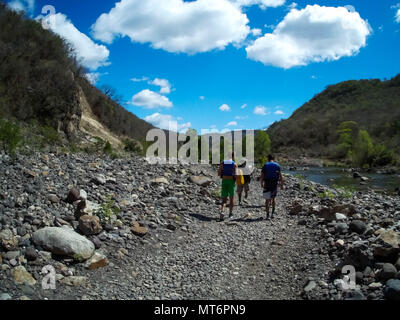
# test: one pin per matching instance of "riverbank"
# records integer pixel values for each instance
(162, 239)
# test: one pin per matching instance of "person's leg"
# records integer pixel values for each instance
(273, 207)
(246, 190)
(267, 206)
(231, 203)
(224, 201)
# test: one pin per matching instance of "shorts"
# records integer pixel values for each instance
(270, 189)
(244, 187)
(228, 188)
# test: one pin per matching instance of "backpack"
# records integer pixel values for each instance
(240, 178)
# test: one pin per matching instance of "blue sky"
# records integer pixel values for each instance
(217, 64)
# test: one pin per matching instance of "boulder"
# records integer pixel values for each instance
(21, 276)
(89, 225)
(64, 241)
(358, 226)
(392, 289)
(200, 180)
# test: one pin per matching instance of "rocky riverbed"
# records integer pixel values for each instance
(125, 229)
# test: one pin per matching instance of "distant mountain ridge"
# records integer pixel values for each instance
(312, 129)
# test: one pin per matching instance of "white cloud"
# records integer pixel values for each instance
(23, 5)
(313, 34)
(175, 25)
(140, 79)
(397, 17)
(150, 100)
(225, 108)
(243, 106)
(256, 32)
(260, 110)
(202, 97)
(163, 83)
(241, 118)
(94, 77)
(263, 4)
(166, 121)
(279, 112)
(232, 124)
(89, 53)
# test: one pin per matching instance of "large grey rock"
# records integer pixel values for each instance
(392, 289)
(64, 241)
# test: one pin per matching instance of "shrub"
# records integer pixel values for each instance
(108, 148)
(107, 210)
(10, 136)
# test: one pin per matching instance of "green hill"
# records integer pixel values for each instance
(312, 129)
(41, 81)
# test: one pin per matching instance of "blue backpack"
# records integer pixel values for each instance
(228, 168)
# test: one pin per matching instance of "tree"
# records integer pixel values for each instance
(262, 146)
(347, 133)
(363, 149)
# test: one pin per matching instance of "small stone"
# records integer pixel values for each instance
(339, 243)
(5, 296)
(99, 179)
(388, 272)
(310, 286)
(98, 260)
(358, 226)
(139, 230)
(31, 254)
(73, 195)
(161, 180)
(21, 276)
(74, 281)
(11, 255)
(340, 217)
(53, 198)
(375, 285)
(89, 225)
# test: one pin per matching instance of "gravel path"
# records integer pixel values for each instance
(245, 257)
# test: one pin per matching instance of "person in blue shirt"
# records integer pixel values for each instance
(271, 176)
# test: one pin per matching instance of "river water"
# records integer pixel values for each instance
(336, 176)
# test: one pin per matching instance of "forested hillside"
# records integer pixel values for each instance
(314, 129)
(40, 80)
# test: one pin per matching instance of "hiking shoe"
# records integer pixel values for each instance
(231, 215)
(221, 218)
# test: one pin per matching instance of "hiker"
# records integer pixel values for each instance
(227, 171)
(270, 177)
(245, 185)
